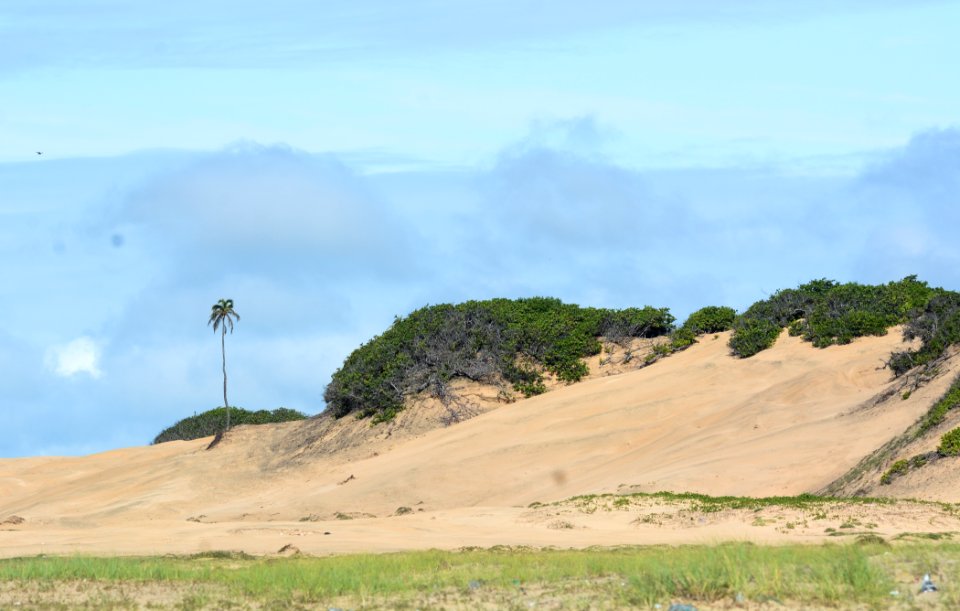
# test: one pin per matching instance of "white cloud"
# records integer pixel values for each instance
(81, 355)
(263, 209)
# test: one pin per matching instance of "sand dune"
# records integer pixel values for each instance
(789, 420)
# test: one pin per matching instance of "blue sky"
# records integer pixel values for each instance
(332, 165)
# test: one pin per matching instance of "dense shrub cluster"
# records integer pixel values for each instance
(210, 422)
(950, 444)
(711, 319)
(516, 340)
(484, 341)
(825, 312)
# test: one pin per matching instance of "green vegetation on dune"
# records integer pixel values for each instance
(825, 313)
(938, 412)
(900, 467)
(950, 443)
(704, 503)
(484, 341)
(517, 341)
(211, 422)
(861, 575)
(711, 319)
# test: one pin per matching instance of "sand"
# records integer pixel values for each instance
(787, 421)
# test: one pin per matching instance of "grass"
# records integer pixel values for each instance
(703, 503)
(862, 574)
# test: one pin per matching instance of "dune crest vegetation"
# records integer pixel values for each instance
(211, 421)
(514, 343)
(825, 312)
(495, 341)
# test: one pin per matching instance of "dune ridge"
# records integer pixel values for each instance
(787, 421)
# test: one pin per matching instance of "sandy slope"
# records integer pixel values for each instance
(786, 421)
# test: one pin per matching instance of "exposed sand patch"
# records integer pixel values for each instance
(939, 479)
(571, 524)
(349, 439)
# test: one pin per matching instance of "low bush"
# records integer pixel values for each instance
(904, 466)
(682, 338)
(711, 319)
(896, 469)
(950, 443)
(751, 335)
(210, 422)
(484, 341)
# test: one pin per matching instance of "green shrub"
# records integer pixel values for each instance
(682, 338)
(711, 319)
(484, 341)
(898, 468)
(530, 389)
(751, 335)
(796, 328)
(211, 421)
(950, 443)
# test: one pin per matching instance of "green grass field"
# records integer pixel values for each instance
(796, 576)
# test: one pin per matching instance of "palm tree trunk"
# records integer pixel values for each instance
(223, 352)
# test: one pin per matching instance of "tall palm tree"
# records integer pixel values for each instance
(222, 315)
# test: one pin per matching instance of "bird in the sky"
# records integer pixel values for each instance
(39, 152)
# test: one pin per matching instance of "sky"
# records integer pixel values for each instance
(330, 166)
